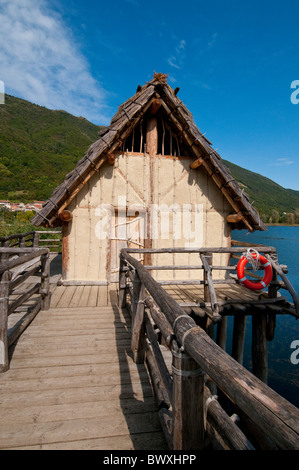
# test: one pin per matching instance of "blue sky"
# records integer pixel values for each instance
(233, 61)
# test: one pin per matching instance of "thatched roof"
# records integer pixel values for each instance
(111, 137)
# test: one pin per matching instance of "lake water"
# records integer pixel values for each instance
(283, 374)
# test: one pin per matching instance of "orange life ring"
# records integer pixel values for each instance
(254, 285)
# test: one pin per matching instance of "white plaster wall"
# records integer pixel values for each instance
(174, 184)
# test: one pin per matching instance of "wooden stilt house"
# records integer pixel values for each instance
(151, 180)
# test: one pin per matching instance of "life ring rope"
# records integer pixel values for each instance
(256, 259)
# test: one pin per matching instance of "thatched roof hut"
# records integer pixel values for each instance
(133, 156)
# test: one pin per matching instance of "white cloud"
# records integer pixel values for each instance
(209, 44)
(282, 162)
(177, 59)
(40, 61)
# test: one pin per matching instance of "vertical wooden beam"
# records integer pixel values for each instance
(272, 293)
(35, 241)
(122, 283)
(208, 257)
(66, 230)
(4, 293)
(239, 337)
(259, 346)
(151, 148)
(138, 330)
(222, 332)
(187, 402)
(45, 282)
(152, 136)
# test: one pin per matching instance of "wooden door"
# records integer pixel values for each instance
(125, 232)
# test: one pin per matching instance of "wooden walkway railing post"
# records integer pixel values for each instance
(187, 401)
(4, 295)
(122, 283)
(45, 281)
(138, 338)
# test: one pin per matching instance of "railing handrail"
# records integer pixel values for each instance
(35, 239)
(32, 261)
(27, 254)
(233, 249)
(272, 413)
(16, 235)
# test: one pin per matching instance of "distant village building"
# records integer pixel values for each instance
(151, 180)
(5, 204)
(21, 206)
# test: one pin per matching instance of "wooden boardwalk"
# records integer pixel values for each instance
(72, 382)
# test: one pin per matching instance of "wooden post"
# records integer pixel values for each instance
(259, 346)
(239, 337)
(151, 148)
(4, 293)
(187, 402)
(45, 282)
(222, 332)
(66, 230)
(35, 240)
(122, 283)
(272, 293)
(208, 257)
(138, 330)
(22, 242)
(5, 256)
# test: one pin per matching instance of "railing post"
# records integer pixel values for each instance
(122, 283)
(22, 242)
(5, 256)
(259, 346)
(35, 240)
(138, 330)
(187, 402)
(45, 281)
(272, 293)
(4, 293)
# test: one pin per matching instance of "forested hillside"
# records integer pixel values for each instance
(38, 147)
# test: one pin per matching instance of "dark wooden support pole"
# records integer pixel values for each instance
(259, 346)
(239, 337)
(272, 293)
(4, 292)
(222, 333)
(138, 331)
(187, 402)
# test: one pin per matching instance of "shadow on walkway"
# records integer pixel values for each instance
(137, 399)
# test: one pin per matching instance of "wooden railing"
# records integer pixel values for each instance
(51, 239)
(16, 267)
(191, 415)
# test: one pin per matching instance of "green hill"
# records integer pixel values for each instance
(39, 146)
(266, 195)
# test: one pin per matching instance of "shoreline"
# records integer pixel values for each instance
(282, 225)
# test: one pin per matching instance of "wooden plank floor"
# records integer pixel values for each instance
(72, 383)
